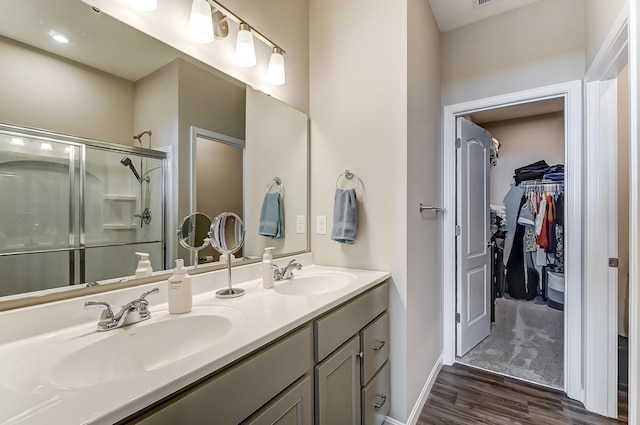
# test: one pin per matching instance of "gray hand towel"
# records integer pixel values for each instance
(272, 217)
(345, 216)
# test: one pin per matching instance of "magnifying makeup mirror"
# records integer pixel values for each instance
(227, 236)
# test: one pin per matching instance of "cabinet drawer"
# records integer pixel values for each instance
(375, 398)
(334, 329)
(375, 346)
(293, 407)
(233, 395)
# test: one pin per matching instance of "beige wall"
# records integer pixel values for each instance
(374, 108)
(533, 46)
(48, 92)
(623, 202)
(424, 184)
(599, 16)
(284, 21)
(523, 141)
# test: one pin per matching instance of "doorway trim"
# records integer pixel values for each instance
(601, 389)
(571, 92)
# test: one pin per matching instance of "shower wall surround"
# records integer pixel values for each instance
(71, 213)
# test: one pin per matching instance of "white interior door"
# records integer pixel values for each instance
(473, 252)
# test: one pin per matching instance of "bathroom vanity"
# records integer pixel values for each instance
(314, 349)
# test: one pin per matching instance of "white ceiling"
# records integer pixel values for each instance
(451, 14)
(530, 109)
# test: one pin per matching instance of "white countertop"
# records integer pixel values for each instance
(30, 393)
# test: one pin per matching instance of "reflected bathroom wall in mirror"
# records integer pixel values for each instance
(112, 83)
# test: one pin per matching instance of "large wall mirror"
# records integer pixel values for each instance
(111, 83)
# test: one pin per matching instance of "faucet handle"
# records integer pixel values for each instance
(151, 292)
(107, 314)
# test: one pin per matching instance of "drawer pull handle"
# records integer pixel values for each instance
(383, 400)
(378, 346)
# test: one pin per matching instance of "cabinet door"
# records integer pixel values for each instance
(338, 386)
(294, 407)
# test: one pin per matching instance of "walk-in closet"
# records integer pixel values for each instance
(527, 189)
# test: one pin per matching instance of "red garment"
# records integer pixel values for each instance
(551, 213)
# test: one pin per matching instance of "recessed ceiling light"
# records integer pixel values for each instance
(61, 37)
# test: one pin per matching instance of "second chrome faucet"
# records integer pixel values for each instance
(287, 271)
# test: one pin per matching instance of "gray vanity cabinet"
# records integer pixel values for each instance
(293, 407)
(232, 395)
(351, 350)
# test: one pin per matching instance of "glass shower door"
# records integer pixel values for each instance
(39, 182)
(123, 213)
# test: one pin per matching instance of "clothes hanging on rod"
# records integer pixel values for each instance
(539, 237)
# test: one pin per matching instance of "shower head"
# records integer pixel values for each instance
(138, 136)
(126, 161)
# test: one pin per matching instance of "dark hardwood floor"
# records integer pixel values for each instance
(462, 395)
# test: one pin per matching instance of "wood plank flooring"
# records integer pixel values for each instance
(462, 395)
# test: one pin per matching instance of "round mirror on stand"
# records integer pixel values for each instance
(194, 233)
(227, 236)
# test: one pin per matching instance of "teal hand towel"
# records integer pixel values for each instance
(345, 216)
(272, 217)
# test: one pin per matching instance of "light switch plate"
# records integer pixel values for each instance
(321, 224)
(301, 224)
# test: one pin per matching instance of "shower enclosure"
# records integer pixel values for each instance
(74, 211)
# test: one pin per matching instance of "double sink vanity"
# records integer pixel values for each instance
(313, 349)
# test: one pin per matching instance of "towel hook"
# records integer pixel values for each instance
(277, 181)
(349, 175)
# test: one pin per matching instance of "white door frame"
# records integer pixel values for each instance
(571, 92)
(600, 293)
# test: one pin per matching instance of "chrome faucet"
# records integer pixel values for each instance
(134, 312)
(287, 271)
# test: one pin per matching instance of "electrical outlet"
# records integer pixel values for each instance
(321, 224)
(301, 224)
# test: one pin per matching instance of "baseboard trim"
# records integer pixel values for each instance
(422, 399)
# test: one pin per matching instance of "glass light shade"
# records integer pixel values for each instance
(200, 22)
(245, 51)
(275, 71)
(146, 5)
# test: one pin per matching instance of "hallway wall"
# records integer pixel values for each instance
(533, 46)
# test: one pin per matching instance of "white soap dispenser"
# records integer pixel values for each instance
(180, 297)
(144, 265)
(267, 269)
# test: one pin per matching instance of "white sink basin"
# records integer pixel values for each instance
(314, 284)
(79, 360)
(140, 349)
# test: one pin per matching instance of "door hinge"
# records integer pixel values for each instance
(458, 230)
(458, 143)
(613, 262)
(457, 317)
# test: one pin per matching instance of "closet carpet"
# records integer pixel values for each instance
(467, 396)
(526, 341)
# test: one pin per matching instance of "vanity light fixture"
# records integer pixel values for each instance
(275, 71)
(146, 5)
(200, 22)
(16, 141)
(60, 37)
(245, 50)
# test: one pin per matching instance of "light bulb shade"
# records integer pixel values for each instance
(200, 22)
(146, 5)
(245, 51)
(275, 71)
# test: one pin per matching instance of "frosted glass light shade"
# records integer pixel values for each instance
(245, 51)
(200, 22)
(275, 71)
(146, 5)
